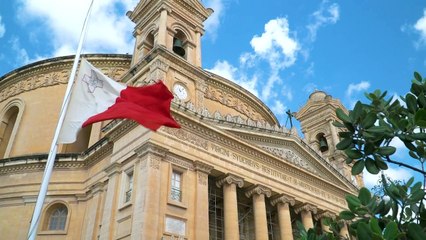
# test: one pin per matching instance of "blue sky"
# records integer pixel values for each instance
(280, 50)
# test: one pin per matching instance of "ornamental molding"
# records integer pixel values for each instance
(186, 136)
(40, 166)
(230, 179)
(325, 214)
(56, 71)
(180, 162)
(120, 128)
(291, 157)
(98, 154)
(112, 169)
(212, 136)
(202, 178)
(306, 207)
(151, 149)
(259, 190)
(228, 99)
(203, 167)
(283, 199)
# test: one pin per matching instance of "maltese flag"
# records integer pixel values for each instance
(96, 97)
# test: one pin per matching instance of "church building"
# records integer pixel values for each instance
(230, 172)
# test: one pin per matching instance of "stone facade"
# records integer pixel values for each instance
(229, 172)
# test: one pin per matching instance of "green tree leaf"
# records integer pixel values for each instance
(389, 150)
(345, 143)
(342, 116)
(346, 215)
(371, 166)
(391, 231)
(358, 167)
(363, 231)
(420, 118)
(364, 196)
(353, 153)
(415, 232)
(374, 226)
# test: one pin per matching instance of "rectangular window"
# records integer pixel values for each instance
(129, 187)
(176, 186)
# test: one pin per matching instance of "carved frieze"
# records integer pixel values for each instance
(290, 156)
(258, 189)
(187, 137)
(154, 162)
(231, 101)
(202, 178)
(230, 179)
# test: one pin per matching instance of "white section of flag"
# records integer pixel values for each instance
(93, 93)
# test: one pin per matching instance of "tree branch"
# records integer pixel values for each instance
(405, 165)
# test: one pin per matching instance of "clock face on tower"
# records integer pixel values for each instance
(180, 91)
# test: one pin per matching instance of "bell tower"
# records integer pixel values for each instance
(176, 25)
(316, 119)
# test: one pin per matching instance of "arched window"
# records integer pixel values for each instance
(322, 141)
(9, 122)
(180, 44)
(56, 217)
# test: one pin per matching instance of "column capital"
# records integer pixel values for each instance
(203, 167)
(306, 207)
(282, 199)
(230, 179)
(325, 214)
(258, 189)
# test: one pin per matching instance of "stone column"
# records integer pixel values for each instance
(202, 201)
(334, 135)
(93, 212)
(258, 193)
(162, 28)
(230, 207)
(344, 232)
(322, 216)
(198, 47)
(306, 211)
(283, 203)
(146, 208)
(110, 206)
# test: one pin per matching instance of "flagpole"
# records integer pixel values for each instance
(32, 232)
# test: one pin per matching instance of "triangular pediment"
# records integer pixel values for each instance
(294, 151)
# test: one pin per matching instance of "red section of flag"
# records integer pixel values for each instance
(147, 105)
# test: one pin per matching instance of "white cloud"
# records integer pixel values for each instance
(420, 26)
(21, 55)
(212, 24)
(364, 85)
(371, 180)
(276, 45)
(108, 31)
(278, 108)
(226, 70)
(2, 29)
(310, 88)
(278, 48)
(326, 14)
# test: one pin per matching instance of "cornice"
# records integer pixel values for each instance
(151, 148)
(203, 167)
(230, 179)
(197, 134)
(56, 71)
(259, 190)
